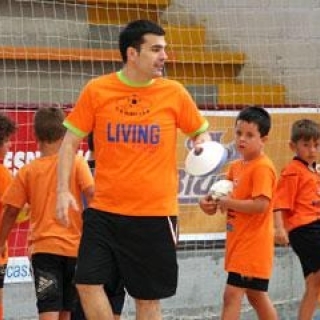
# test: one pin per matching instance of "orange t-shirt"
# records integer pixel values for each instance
(36, 184)
(297, 191)
(135, 137)
(249, 244)
(5, 180)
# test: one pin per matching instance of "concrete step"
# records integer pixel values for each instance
(122, 11)
(244, 94)
(188, 67)
(179, 38)
(205, 67)
(211, 97)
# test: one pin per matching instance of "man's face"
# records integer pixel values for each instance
(149, 60)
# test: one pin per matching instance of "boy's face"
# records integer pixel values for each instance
(306, 150)
(149, 60)
(248, 140)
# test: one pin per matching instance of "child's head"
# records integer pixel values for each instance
(251, 131)
(7, 128)
(305, 139)
(48, 125)
(258, 116)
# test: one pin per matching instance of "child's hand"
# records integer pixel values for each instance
(281, 236)
(208, 205)
(223, 204)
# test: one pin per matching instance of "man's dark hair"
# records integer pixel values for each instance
(7, 128)
(305, 129)
(48, 125)
(257, 115)
(133, 35)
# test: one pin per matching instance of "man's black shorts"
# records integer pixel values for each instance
(139, 250)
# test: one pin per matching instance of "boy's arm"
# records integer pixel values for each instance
(256, 205)
(10, 215)
(280, 233)
(66, 157)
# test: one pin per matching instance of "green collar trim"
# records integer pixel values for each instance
(130, 83)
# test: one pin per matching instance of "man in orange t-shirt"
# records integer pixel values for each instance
(297, 209)
(249, 244)
(130, 227)
(53, 248)
(7, 128)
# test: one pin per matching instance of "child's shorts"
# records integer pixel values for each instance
(305, 241)
(241, 281)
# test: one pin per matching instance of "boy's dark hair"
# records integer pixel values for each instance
(7, 128)
(48, 125)
(256, 115)
(305, 129)
(132, 35)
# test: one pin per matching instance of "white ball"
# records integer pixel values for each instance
(221, 188)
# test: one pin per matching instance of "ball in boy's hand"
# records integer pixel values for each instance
(221, 188)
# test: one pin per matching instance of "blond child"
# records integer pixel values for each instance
(297, 209)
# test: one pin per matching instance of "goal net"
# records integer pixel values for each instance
(228, 54)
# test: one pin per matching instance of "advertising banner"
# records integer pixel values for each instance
(193, 223)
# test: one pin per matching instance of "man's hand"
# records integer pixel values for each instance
(208, 205)
(199, 139)
(65, 200)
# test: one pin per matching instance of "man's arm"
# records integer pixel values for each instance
(66, 157)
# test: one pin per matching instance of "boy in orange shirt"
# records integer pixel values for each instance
(297, 209)
(7, 128)
(53, 248)
(249, 243)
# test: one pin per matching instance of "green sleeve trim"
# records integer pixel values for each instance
(202, 129)
(75, 130)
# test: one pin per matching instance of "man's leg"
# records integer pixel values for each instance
(94, 302)
(148, 309)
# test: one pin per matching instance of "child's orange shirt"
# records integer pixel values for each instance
(298, 194)
(249, 244)
(5, 180)
(36, 184)
(135, 138)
